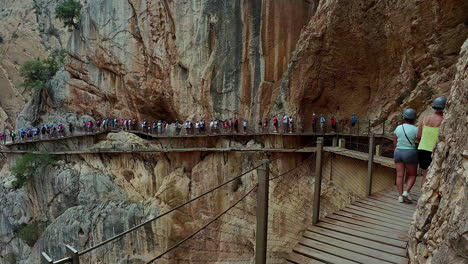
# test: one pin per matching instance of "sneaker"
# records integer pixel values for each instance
(400, 199)
(407, 197)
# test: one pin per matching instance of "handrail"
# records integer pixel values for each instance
(99, 132)
(166, 213)
(203, 227)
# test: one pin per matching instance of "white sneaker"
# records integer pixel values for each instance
(400, 199)
(407, 197)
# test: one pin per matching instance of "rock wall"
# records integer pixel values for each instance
(440, 232)
(28, 30)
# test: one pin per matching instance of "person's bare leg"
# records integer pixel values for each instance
(424, 174)
(412, 172)
(400, 170)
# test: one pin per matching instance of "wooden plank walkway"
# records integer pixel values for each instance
(371, 230)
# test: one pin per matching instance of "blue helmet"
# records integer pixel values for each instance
(409, 114)
(439, 103)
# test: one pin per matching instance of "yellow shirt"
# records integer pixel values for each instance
(429, 138)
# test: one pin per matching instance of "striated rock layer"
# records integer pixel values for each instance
(440, 232)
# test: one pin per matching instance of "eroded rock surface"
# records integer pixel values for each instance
(440, 232)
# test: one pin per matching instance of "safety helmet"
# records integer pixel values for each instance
(409, 114)
(439, 103)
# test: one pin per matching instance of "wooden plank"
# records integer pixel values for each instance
(364, 223)
(382, 219)
(344, 253)
(320, 255)
(363, 249)
(393, 202)
(362, 234)
(373, 214)
(301, 259)
(329, 234)
(382, 211)
(408, 214)
(368, 228)
(370, 220)
(398, 207)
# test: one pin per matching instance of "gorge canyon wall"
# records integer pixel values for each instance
(168, 59)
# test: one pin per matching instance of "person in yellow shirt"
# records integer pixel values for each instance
(428, 134)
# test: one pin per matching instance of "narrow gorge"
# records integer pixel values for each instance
(214, 59)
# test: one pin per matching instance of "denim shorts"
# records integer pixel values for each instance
(408, 156)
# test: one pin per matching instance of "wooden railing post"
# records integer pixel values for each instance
(45, 259)
(318, 181)
(370, 165)
(73, 253)
(262, 213)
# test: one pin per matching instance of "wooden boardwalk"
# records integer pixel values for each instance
(371, 230)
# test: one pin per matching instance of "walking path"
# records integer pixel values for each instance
(373, 230)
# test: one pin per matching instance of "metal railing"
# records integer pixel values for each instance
(361, 128)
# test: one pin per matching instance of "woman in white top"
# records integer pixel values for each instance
(406, 155)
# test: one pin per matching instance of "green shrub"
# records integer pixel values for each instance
(37, 73)
(30, 233)
(27, 165)
(69, 12)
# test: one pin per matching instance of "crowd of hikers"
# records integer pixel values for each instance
(414, 146)
(275, 124)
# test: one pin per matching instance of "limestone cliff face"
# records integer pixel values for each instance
(375, 57)
(28, 30)
(440, 233)
(181, 59)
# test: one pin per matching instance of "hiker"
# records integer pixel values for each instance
(215, 126)
(22, 134)
(260, 125)
(291, 125)
(266, 125)
(61, 130)
(405, 154)
(275, 123)
(1, 137)
(13, 136)
(43, 131)
(202, 126)
(244, 125)
(70, 128)
(333, 123)
(322, 121)
(235, 121)
(428, 134)
(314, 123)
(354, 120)
(285, 123)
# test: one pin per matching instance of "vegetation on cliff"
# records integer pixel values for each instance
(27, 166)
(37, 73)
(30, 233)
(69, 12)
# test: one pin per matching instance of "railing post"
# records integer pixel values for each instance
(262, 213)
(73, 253)
(45, 259)
(370, 165)
(369, 127)
(318, 181)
